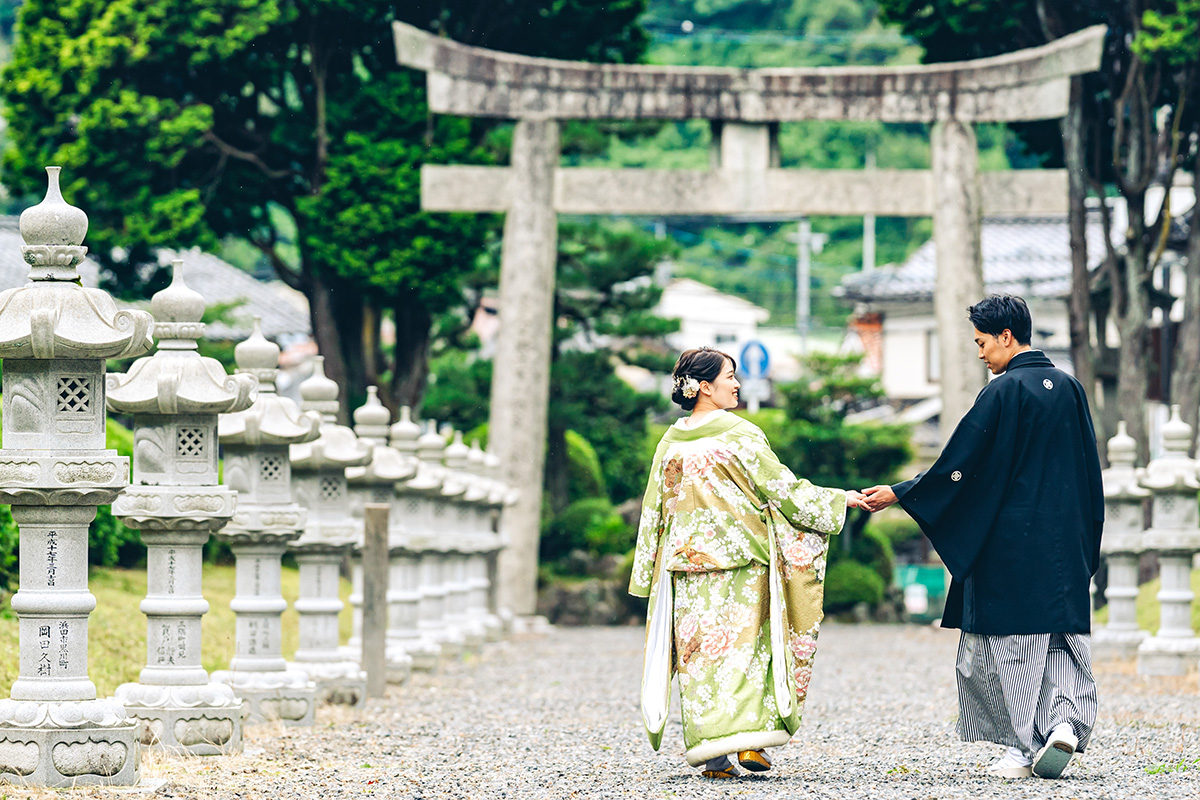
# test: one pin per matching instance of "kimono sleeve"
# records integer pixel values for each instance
(957, 499)
(649, 530)
(807, 507)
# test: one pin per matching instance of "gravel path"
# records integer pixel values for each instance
(557, 717)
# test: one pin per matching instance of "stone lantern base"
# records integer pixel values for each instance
(203, 720)
(1159, 655)
(1110, 645)
(338, 682)
(287, 696)
(62, 745)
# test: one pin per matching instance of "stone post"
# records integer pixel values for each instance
(376, 483)
(405, 530)
(1175, 534)
(256, 443)
(1124, 504)
(55, 337)
(521, 389)
(319, 484)
(176, 503)
(956, 223)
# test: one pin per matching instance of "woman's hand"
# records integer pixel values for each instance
(856, 500)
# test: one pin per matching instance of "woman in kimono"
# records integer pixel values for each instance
(731, 552)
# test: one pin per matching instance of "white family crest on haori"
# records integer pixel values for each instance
(1049, 384)
(956, 476)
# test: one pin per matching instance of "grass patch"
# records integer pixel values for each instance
(117, 628)
(1148, 611)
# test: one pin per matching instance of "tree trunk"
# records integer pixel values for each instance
(557, 480)
(410, 372)
(1080, 306)
(336, 311)
(1185, 381)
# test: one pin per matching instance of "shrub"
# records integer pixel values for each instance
(869, 548)
(9, 572)
(848, 583)
(591, 525)
(585, 476)
(896, 529)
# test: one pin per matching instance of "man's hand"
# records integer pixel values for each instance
(878, 498)
(855, 499)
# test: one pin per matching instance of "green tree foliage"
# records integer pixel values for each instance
(1136, 123)
(286, 124)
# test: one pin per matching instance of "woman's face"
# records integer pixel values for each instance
(723, 391)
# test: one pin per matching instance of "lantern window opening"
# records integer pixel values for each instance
(189, 443)
(74, 394)
(331, 489)
(271, 468)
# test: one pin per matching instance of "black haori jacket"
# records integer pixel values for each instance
(1014, 505)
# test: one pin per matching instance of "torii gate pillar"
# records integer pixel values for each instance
(521, 365)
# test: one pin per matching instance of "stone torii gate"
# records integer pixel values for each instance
(745, 107)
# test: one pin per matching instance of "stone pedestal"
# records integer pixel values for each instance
(485, 497)
(429, 539)
(257, 466)
(319, 482)
(376, 483)
(1124, 500)
(1175, 534)
(462, 491)
(55, 337)
(175, 503)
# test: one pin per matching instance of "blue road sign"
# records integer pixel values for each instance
(754, 359)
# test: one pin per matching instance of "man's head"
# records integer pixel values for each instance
(1002, 329)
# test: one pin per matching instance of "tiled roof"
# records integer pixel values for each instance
(1026, 256)
(284, 311)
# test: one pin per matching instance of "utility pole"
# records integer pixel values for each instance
(803, 280)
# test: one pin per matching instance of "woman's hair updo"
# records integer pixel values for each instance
(700, 364)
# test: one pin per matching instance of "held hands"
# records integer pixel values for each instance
(855, 499)
(877, 498)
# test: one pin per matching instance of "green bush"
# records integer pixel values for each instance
(896, 529)
(585, 476)
(8, 551)
(848, 583)
(870, 548)
(591, 525)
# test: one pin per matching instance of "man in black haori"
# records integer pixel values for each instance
(1014, 506)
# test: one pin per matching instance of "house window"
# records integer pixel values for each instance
(726, 338)
(189, 443)
(74, 394)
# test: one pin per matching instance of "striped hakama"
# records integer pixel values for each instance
(1013, 690)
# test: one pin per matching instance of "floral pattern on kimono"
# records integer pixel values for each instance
(716, 498)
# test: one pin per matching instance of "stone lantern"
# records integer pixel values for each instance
(319, 483)
(176, 503)
(483, 541)
(462, 489)
(1124, 504)
(55, 337)
(501, 497)
(256, 443)
(1175, 535)
(430, 539)
(406, 527)
(376, 483)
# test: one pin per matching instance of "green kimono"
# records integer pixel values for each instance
(717, 503)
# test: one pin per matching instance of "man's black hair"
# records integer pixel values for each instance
(999, 311)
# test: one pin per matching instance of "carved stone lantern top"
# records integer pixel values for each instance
(337, 447)
(405, 433)
(479, 488)
(177, 379)
(1121, 477)
(387, 464)
(272, 419)
(430, 473)
(456, 457)
(52, 316)
(1174, 471)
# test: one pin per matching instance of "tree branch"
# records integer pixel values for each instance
(245, 155)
